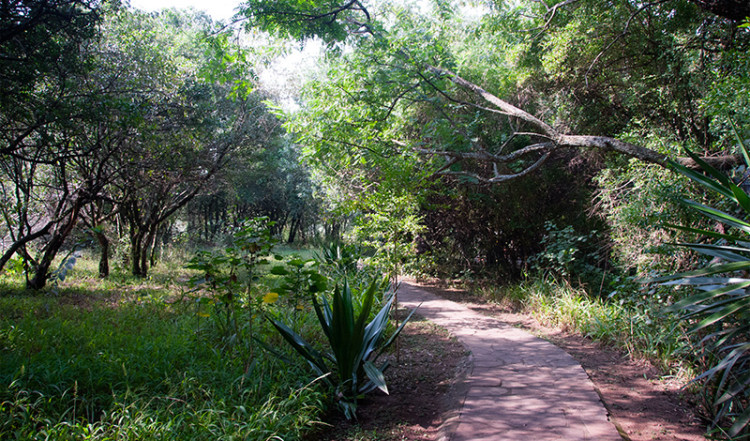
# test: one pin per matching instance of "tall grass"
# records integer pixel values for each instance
(134, 359)
(643, 329)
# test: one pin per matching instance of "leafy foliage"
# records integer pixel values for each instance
(354, 345)
(231, 275)
(564, 254)
(720, 309)
(340, 257)
(330, 20)
(300, 281)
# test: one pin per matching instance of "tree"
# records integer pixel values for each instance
(264, 179)
(114, 131)
(196, 110)
(476, 102)
(399, 70)
(45, 111)
(40, 50)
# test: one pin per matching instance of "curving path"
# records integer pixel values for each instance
(520, 387)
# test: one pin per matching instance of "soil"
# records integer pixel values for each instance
(423, 370)
(643, 403)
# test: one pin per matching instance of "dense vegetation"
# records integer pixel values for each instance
(542, 147)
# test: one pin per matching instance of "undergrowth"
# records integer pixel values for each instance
(642, 328)
(140, 359)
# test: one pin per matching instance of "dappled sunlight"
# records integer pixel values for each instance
(184, 201)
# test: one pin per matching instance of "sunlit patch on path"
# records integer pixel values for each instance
(520, 387)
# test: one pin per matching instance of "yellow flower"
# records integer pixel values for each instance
(204, 314)
(271, 297)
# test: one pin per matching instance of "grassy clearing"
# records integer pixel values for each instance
(641, 328)
(135, 359)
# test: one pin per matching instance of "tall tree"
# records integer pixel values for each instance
(43, 113)
(414, 96)
(192, 118)
(137, 141)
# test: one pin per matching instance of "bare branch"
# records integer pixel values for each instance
(499, 178)
(619, 36)
(504, 106)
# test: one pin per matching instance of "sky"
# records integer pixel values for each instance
(282, 77)
(217, 9)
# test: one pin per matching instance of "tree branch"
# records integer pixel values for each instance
(556, 139)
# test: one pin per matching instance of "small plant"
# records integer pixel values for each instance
(340, 258)
(66, 266)
(230, 275)
(300, 282)
(15, 266)
(300, 279)
(354, 345)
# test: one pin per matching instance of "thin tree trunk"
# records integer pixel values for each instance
(153, 245)
(41, 272)
(104, 256)
(136, 244)
(20, 243)
(293, 229)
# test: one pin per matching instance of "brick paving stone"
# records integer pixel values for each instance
(520, 387)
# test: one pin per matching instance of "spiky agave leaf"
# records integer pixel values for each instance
(722, 302)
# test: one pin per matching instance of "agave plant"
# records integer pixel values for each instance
(354, 345)
(341, 258)
(719, 310)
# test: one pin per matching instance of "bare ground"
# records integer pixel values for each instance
(424, 367)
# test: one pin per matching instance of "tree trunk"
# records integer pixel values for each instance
(152, 242)
(41, 272)
(21, 242)
(136, 247)
(141, 243)
(104, 256)
(295, 227)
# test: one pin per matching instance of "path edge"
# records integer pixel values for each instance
(454, 400)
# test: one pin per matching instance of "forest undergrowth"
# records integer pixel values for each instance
(141, 359)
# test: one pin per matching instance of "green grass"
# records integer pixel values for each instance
(121, 359)
(642, 328)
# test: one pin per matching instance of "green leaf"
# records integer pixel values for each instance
(740, 423)
(720, 216)
(279, 271)
(701, 232)
(707, 271)
(737, 136)
(376, 376)
(701, 179)
(731, 307)
(724, 252)
(299, 344)
(724, 288)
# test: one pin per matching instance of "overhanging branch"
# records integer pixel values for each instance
(556, 140)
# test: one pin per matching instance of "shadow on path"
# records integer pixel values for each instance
(520, 387)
